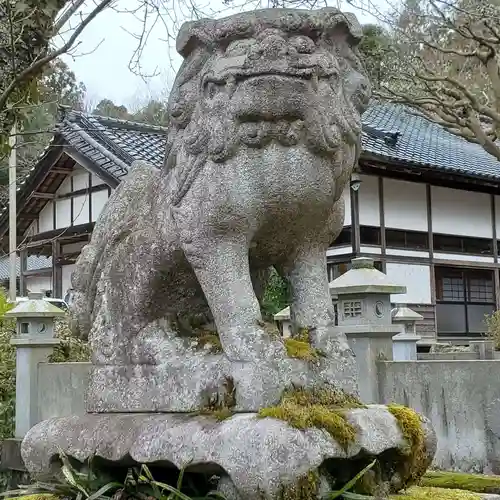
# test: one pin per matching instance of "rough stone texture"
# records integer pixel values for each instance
(265, 124)
(255, 454)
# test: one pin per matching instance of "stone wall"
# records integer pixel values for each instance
(461, 398)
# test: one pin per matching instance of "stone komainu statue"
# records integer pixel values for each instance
(264, 133)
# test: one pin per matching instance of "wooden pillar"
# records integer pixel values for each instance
(56, 270)
(496, 273)
(383, 243)
(356, 241)
(23, 266)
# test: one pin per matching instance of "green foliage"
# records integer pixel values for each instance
(90, 484)
(7, 370)
(276, 295)
(26, 28)
(71, 348)
(375, 50)
(477, 483)
(493, 328)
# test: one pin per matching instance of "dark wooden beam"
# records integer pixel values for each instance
(56, 269)
(80, 192)
(91, 166)
(80, 229)
(72, 203)
(27, 216)
(60, 170)
(23, 258)
(38, 272)
(43, 196)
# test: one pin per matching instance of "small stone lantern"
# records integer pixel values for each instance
(364, 315)
(405, 343)
(34, 342)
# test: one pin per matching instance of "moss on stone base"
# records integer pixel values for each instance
(209, 341)
(222, 408)
(417, 493)
(478, 483)
(305, 488)
(300, 347)
(410, 424)
(321, 408)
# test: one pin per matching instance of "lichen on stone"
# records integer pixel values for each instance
(410, 423)
(322, 408)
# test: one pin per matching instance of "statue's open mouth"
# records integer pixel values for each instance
(312, 74)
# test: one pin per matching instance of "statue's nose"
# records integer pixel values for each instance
(273, 47)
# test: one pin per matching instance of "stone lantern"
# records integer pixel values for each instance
(405, 343)
(34, 342)
(364, 315)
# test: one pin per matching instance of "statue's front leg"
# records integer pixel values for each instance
(222, 268)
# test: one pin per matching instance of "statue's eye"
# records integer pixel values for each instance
(212, 87)
(303, 44)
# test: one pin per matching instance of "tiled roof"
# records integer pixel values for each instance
(113, 144)
(33, 262)
(415, 141)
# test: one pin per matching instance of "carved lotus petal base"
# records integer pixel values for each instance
(255, 457)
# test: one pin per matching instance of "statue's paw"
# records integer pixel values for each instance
(253, 344)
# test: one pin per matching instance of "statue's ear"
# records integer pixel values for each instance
(193, 34)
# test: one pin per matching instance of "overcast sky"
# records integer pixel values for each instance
(101, 60)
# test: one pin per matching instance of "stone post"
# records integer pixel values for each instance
(34, 342)
(364, 315)
(405, 343)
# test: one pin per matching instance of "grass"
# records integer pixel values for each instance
(457, 480)
(419, 493)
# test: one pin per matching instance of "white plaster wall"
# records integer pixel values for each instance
(99, 199)
(97, 181)
(80, 209)
(80, 179)
(461, 212)
(339, 250)
(38, 283)
(372, 250)
(497, 215)
(416, 278)
(347, 202)
(46, 218)
(66, 277)
(462, 257)
(406, 253)
(65, 187)
(63, 213)
(405, 205)
(368, 196)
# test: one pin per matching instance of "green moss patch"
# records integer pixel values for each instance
(478, 483)
(300, 347)
(321, 408)
(305, 488)
(410, 424)
(417, 493)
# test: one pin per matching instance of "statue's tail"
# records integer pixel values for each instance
(130, 202)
